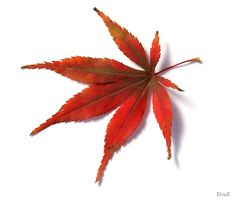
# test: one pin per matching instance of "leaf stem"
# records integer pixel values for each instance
(180, 63)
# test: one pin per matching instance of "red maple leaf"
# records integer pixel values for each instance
(112, 85)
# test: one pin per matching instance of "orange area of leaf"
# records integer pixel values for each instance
(115, 85)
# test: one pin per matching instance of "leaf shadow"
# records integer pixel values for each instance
(166, 61)
(177, 132)
(178, 126)
(177, 119)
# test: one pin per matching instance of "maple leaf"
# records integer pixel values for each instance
(112, 85)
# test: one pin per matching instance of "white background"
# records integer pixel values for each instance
(60, 164)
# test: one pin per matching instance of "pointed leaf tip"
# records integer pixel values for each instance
(169, 156)
(168, 83)
(126, 42)
(155, 52)
(32, 134)
(89, 70)
(96, 10)
(169, 150)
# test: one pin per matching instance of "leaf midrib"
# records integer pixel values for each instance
(132, 109)
(102, 97)
(124, 73)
